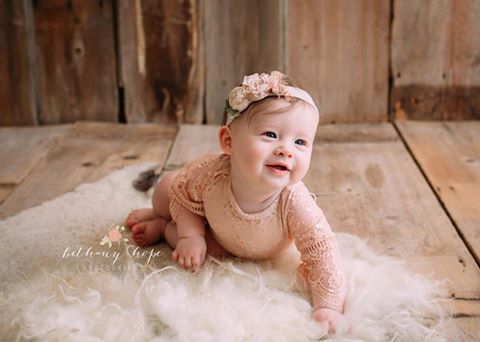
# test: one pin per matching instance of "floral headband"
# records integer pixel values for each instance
(257, 87)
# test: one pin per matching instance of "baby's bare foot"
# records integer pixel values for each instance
(140, 215)
(148, 232)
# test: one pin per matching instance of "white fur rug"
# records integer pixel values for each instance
(59, 283)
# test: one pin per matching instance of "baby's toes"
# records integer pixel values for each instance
(139, 241)
(138, 229)
(131, 220)
(138, 234)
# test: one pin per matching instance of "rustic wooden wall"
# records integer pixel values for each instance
(174, 61)
(76, 61)
(436, 59)
(338, 50)
(17, 94)
(241, 37)
(161, 60)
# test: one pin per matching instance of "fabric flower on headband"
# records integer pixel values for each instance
(254, 88)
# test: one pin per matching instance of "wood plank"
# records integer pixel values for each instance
(462, 308)
(22, 148)
(375, 190)
(466, 317)
(191, 142)
(143, 143)
(370, 186)
(161, 56)
(339, 51)
(243, 37)
(17, 91)
(469, 326)
(5, 190)
(436, 60)
(88, 152)
(76, 61)
(449, 154)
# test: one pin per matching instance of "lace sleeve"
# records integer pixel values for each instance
(321, 262)
(190, 183)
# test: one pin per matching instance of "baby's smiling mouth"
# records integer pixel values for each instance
(279, 167)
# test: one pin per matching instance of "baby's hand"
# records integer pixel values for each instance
(190, 252)
(332, 319)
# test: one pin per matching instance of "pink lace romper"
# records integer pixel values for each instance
(203, 186)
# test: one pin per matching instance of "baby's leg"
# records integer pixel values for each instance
(161, 198)
(148, 224)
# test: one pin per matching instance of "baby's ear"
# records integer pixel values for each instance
(225, 137)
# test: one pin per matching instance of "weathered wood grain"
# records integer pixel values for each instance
(192, 142)
(375, 190)
(17, 72)
(76, 63)
(462, 308)
(356, 133)
(469, 326)
(161, 48)
(466, 318)
(21, 148)
(5, 190)
(338, 51)
(88, 152)
(436, 59)
(241, 37)
(449, 154)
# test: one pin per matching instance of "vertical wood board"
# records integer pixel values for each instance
(339, 51)
(17, 83)
(76, 61)
(161, 60)
(436, 59)
(241, 37)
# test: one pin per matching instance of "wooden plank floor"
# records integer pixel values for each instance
(411, 189)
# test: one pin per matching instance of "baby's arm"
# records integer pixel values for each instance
(191, 248)
(321, 261)
(326, 279)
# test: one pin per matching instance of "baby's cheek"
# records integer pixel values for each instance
(303, 166)
(255, 152)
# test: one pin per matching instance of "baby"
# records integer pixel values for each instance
(250, 201)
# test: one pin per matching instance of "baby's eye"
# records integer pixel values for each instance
(301, 142)
(270, 134)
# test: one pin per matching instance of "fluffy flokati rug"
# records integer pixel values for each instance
(69, 273)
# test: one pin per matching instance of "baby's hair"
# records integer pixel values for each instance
(262, 105)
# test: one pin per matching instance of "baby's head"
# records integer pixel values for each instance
(269, 129)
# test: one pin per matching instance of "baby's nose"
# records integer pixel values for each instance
(284, 152)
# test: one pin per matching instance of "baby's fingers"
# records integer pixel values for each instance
(175, 255)
(188, 262)
(196, 263)
(181, 261)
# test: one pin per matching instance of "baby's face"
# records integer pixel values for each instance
(273, 150)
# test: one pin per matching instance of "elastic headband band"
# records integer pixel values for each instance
(257, 87)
